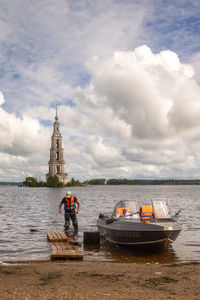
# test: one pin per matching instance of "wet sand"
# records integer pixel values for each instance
(98, 280)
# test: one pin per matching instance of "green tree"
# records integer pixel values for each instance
(33, 182)
(53, 181)
(74, 182)
(30, 181)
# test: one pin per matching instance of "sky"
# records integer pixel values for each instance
(125, 75)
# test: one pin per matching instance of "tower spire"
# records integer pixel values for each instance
(56, 117)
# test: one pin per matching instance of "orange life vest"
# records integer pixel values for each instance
(146, 213)
(70, 203)
(122, 211)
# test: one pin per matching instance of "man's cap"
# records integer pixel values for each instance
(68, 194)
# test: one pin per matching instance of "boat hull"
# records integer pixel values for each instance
(136, 233)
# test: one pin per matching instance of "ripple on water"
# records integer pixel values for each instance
(28, 214)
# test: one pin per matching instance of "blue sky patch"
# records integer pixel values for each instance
(46, 123)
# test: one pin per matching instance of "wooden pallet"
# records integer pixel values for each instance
(60, 247)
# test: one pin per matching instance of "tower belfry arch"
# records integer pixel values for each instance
(56, 162)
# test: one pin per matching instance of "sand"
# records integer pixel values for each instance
(98, 280)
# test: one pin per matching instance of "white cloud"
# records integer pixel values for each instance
(152, 101)
(101, 153)
(20, 138)
(1, 98)
(195, 61)
(131, 113)
(47, 43)
(150, 92)
(139, 116)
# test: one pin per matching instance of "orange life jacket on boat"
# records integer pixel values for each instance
(122, 211)
(146, 213)
(70, 203)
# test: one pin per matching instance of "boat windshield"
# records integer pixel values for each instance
(126, 209)
(161, 209)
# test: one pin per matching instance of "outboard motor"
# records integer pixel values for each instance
(176, 216)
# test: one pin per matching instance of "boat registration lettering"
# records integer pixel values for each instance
(135, 234)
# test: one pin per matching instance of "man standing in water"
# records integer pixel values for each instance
(71, 210)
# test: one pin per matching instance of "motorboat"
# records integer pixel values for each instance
(134, 224)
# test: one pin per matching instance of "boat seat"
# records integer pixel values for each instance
(146, 213)
(122, 211)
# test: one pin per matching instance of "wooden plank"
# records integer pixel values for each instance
(58, 236)
(66, 254)
(54, 249)
(49, 235)
(64, 237)
(54, 236)
(60, 247)
(58, 251)
(61, 237)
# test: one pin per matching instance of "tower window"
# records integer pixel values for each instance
(57, 143)
(57, 155)
(58, 169)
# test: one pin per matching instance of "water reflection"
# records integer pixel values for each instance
(148, 254)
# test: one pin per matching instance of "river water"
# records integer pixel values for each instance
(27, 214)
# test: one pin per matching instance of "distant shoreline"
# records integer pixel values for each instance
(143, 182)
(127, 182)
(10, 183)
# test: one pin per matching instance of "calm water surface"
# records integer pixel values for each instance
(27, 214)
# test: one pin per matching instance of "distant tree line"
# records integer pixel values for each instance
(53, 181)
(95, 181)
(33, 182)
(75, 182)
(144, 181)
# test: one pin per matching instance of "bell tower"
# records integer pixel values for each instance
(56, 162)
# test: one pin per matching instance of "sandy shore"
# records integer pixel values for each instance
(98, 280)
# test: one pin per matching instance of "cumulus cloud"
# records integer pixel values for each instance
(1, 98)
(101, 153)
(20, 138)
(147, 107)
(148, 91)
(138, 117)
